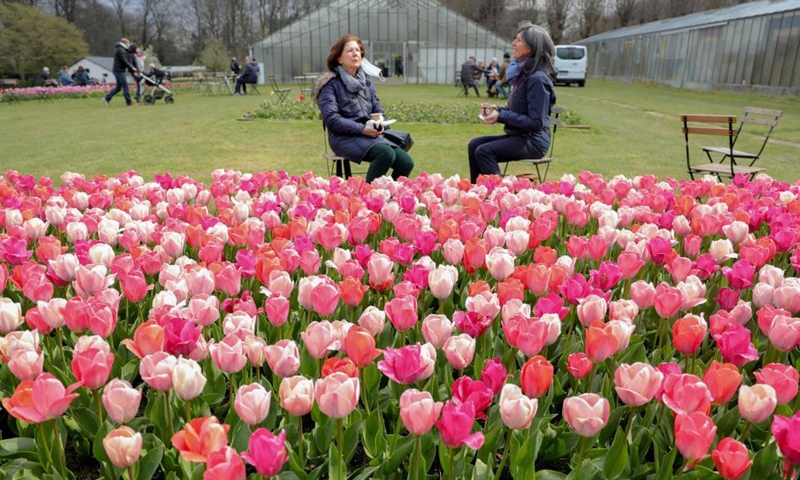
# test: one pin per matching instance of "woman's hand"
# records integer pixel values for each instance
(370, 132)
(491, 119)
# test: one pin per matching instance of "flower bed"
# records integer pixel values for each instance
(302, 327)
(33, 93)
(427, 112)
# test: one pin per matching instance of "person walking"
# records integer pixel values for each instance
(469, 69)
(122, 64)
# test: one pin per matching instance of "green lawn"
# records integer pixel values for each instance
(634, 129)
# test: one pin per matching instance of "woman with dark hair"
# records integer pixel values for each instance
(347, 100)
(527, 116)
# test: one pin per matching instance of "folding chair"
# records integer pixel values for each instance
(555, 121)
(727, 130)
(333, 161)
(253, 87)
(276, 90)
(753, 116)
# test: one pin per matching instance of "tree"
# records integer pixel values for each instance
(214, 56)
(33, 39)
(590, 16)
(556, 13)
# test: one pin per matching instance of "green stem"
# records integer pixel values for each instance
(591, 378)
(744, 432)
(131, 474)
(683, 467)
(62, 464)
(452, 458)
(630, 421)
(340, 435)
(415, 458)
(300, 436)
(499, 471)
(187, 410)
(580, 456)
(98, 403)
(364, 391)
(44, 445)
(396, 435)
(61, 348)
(169, 414)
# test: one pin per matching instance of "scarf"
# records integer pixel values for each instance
(358, 86)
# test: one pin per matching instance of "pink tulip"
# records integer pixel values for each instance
(787, 434)
(36, 401)
(459, 350)
(252, 403)
(283, 358)
(734, 344)
(601, 342)
(266, 452)
(200, 438)
(499, 263)
(722, 380)
(319, 339)
(402, 365)
(418, 411)
(536, 376)
(204, 309)
(579, 365)
(10, 315)
(467, 390)
(121, 400)
(229, 354)
(586, 414)
(255, 348)
(380, 269)
(325, 299)
(148, 338)
(757, 403)
(731, 459)
(441, 281)
(156, 370)
(123, 446)
(453, 251)
(630, 264)
(402, 312)
(494, 375)
(643, 294)
(787, 297)
(456, 425)
(296, 395)
(225, 464)
(472, 323)
(784, 332)
(436, 329)
(783, 378)
(685, 394)
(90, 280)
(276, 308)
(688, 333)
(516, 409)
(694, 434)
(531, 336)
(92, 367)
(337, 394)
(667, 301)
(637, 384)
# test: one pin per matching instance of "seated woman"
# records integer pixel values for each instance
(347, 98)
(82, 78)
(527, 116)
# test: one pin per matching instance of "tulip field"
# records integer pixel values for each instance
(300, 327)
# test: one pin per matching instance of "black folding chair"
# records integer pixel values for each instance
(698, 125)
(276, 90)
(752, 116)
(555, 122)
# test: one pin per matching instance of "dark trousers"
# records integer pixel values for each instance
(382, 157)
(473, 85)
(241, 84)
(486, 152)
(122, 84)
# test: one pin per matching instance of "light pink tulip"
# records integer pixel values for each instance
(436, 329)
(757, 403)
(337, 394)
(10, 315)
(586, 414)
(694, 434)
(459, 350)
(516, 409)
(637, 384)
(418, 411)
(156, 370)
(442, 280)
(252, 403)
(592, 309)
(783, 378)
(686, 393)
(297, 395)
(229, 354)
(373, 320)
(123, 446)
(283, 358)
(188, 380)
(121, 400)
(320, 339)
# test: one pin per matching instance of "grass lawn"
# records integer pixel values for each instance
(634, 129)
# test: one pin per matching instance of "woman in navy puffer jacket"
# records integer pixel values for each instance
(347, 98)
(527, 116)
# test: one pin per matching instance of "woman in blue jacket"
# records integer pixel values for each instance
(526, 119)
(347, 98)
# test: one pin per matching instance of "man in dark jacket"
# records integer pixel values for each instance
(122, 64)
(468, 70)
(235, 68)
(249, 75)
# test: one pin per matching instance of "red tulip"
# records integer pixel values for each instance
(200, 438)
(360, 346)
(579, 365)
(536, 376)
(722, 380)
(731, 459)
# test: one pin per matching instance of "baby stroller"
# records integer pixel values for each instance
(153, 84)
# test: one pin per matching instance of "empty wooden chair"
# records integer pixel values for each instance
(721, 126)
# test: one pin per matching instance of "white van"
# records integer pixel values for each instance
(571, 64)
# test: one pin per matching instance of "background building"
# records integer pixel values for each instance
(754, 46)
(427, 40)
